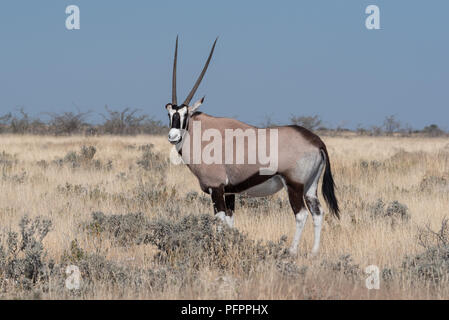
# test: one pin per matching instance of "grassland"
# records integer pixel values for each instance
(392, 192)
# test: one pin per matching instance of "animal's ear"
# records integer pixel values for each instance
(196, 105)
(168, 106)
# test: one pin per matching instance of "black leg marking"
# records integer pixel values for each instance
(230, 204)
(295, 196)
(248, 183)
(218, 200)
(314, 205)
(317, 214)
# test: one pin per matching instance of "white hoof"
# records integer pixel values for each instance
(221, 215)
(229, 221)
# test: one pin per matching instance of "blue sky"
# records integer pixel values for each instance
(273, 58)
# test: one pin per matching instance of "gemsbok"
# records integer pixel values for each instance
(300, 158)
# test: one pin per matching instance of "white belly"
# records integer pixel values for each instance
(266, 188)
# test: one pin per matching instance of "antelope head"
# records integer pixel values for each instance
(179, 114)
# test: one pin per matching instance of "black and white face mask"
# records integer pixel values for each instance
(178, 116)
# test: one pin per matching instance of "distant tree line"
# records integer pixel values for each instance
(124, 122)
(131, 122)
(391, 126)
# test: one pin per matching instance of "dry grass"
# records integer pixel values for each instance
(38, 179)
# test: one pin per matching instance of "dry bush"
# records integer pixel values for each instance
(391, 125)
(196, 241)
(433, 131)
(394, 211)
(22, 257)
(21, 123)
(67, 123)
(124, 122)
(124, 229)
(308, 122)
(153, 193)
(83, 159)
(186, 247)
(344, 265)
(193, 196)
(25, 268)
(96, 270)
(193, 242)
(151, 160)
(432, 265)
(127, 122)
(372, 165)
(7, 160)
(435, 183)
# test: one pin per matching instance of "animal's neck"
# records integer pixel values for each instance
(188, 131)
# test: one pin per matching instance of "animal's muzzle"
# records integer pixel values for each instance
(174, 136)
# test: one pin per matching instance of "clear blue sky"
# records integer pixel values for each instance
(273, 58)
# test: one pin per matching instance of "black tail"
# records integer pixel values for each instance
(328, 188)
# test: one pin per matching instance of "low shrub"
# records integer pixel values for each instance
(431, 265)
(83, 159)
(192, 242)
(22, 255)
(394, 211)
(435, 183)
(343, 265)
(151, 160)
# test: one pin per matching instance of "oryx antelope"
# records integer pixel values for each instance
(302, 157)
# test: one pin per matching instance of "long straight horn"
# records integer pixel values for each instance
(197, 83)
(173, 92)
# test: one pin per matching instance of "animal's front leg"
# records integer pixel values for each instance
(218, 200)
(230, 207)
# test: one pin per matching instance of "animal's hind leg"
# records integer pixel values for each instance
(295, 195)
(317, 215)
(315, 209)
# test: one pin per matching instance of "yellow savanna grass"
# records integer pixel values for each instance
(365, 169)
